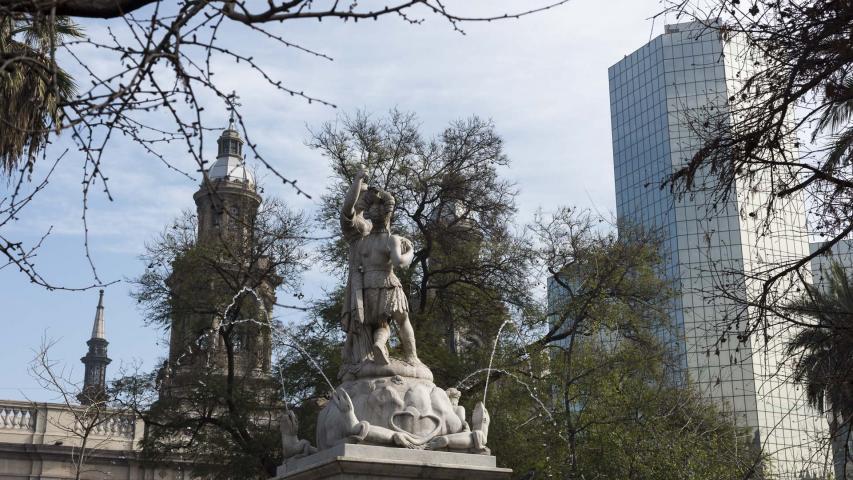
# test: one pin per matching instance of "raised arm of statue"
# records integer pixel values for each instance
(353, 224)
(359, 184)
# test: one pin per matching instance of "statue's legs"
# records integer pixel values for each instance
(376, 321)
(407, 336)
(358, 344)
(380, 344)
(383, 305)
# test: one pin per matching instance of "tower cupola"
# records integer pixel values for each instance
(230, 143)
(229, 158)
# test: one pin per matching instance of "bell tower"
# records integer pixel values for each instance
(222, 290)
(227, 201)
(96, 361)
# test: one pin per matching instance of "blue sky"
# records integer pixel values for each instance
(541, 79)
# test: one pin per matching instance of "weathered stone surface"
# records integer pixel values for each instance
(37, 441)
(362, 462)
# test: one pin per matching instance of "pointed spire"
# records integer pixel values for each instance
(96, 360)
(98, 327)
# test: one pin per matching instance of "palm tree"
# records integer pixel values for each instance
(33, 88)
(823, 353)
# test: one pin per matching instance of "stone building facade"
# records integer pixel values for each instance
(44, 441)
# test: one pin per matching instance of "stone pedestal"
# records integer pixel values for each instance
(363, 462)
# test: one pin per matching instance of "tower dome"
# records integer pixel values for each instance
(229, 160)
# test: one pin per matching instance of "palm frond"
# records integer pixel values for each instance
(33, 88)
(824, 351)
(839, 110)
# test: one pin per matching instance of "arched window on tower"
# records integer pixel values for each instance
(203, 340)
(216, 214)
(235, 222)
(238, 340)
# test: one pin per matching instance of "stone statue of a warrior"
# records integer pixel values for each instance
(384, 400)
(374, 296)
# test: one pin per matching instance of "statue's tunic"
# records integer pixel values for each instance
(383, 296)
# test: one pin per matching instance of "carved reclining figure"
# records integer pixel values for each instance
(473, 441)
(362, 431)
(292, 446)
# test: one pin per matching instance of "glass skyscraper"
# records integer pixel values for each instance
(712, 246)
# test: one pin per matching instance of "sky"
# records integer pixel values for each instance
(541, 79)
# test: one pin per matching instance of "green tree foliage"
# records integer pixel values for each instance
(824, 348)
(632, 422)
(572, 385)
(306, 349)
(605, 399)
(622, 420)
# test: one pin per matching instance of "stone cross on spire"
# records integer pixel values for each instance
(232, 102)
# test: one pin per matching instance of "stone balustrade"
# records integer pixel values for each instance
(17, 417)
(57, 424)
(42, 441)
(120, 425)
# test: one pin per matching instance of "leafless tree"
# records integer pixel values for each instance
(162, 61)
(89, 424)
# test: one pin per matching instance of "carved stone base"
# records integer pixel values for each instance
(393, 404)
(363, 462)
